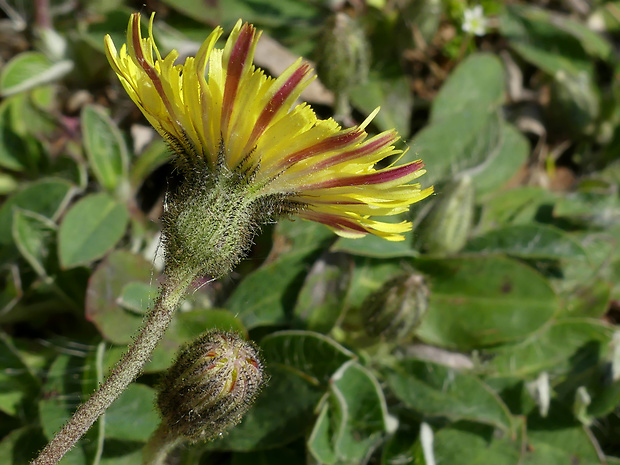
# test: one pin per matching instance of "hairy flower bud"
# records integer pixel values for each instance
(212, 384)
(342, 54)
(446, 228)
(397, 308)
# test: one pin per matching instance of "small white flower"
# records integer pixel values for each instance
(474, 21)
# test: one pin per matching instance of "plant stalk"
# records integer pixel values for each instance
(125, 371)
(161, 442)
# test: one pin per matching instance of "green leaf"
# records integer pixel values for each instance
(515, 206)
(435, 390)
(17, 382)
(477, 82)
(105, 148)
(532, 34)
(353, 420)
(320, 301)
(531, 241)
(132, 416)
(154, 156)
(551, 349)
(61, 396)
(504, 162)
(474, 135)
(281, 414)
(392, 93)
(470, 444)
(559, 440)
(31, 69)
(90, 229)
(106, 286)
(368, 276)
(376, 247)
(283, 277)
(33, 235)
(19, 446)
(45, 197)
(313, 356)
(138, 297)
(483, 300)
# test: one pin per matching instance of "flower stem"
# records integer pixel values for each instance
(159, 445)
(124, 372)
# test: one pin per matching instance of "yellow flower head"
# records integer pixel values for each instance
(220, 113)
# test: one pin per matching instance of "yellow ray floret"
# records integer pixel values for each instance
(217, 109)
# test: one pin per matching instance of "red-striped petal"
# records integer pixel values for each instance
(236, 63)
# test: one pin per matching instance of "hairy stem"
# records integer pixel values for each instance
(124, 372)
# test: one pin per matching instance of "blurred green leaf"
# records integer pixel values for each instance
(474, 134)
(477, 82)
(29, 70)
(376, 247)
(91, 228)
(33, 235)
(435, 390)
(46, 197)
(137, 297)
(558, 440)
(19, 446)
(503, 162)
(531, 241)
(521, 205)
(17, 382)
(470, 444)
(532, 34)
(106, 286)
(390, 92)
(552, 348)
(132, 417)
(320, 300)
(105, 148)
(483, 300)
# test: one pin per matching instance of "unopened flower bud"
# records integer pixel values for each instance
(397, 308)
(343, 53)
(212, 384)
(446, 228)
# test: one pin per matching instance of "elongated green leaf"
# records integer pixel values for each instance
(321, 299)
(104, 147)
(479, 301)
(315, 356)
(528, 241)
(435, 390)
(552, 348)
(478, 82)
(470, 444)
(91, 228)
(392, 94)
(45, 197)
(29, 70)
(33, 234)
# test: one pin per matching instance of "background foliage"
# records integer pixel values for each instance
(514, 360)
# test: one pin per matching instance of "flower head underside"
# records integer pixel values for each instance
(218, 112)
